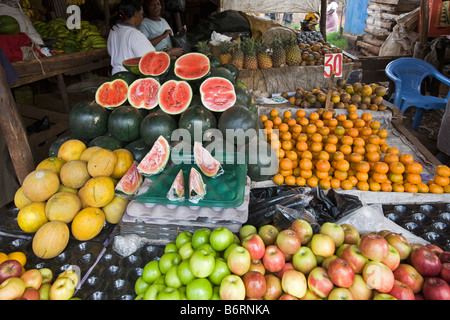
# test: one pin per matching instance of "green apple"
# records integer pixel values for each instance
(184, 272)
(227, 251)
(199, 289)
(170, 247)
(182, 238)
(152, 291)
(202, 263)
(160, 279)
(186, 250)
(221, 238)
(47, 275)
(209, 248)
(182, 291)
(70, 274)
(151, 271)
(168, 260)
(172, 279)
(168, 293)
(140, 286)
(220, 271)
(216, 294)
(247, 229)
(44, 291)
(200, 236)
(62, 289)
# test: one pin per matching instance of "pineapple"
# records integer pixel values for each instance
(237, 55)
(263, 56)
(293, 53)
(278, 52)
(250, 60)
(203, 47)
(225, 54)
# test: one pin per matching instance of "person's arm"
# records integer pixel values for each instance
(158, 39)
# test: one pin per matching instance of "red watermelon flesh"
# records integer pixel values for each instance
(132, 65)
(112, 94)
(197, 188)
(217, 94)
(154, 63)
(206, 162)
(192, 66)
(156, 159)
(174, 97)
(130, 182)
(143, 93)
(176, 191)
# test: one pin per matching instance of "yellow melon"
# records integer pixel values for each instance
(51, 239)
(98, 191)
(52, 163)
(124, 161)
(31, 217)
(39, 185)
(71, 149)
(67, 189)
(88, 223)
(20, 200)
(102, 163)
(80, 195)
(62, 206)
(86, 155)
(74, 174)
(115, 209)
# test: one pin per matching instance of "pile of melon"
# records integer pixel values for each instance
(72, 194)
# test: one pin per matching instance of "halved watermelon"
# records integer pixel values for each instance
(217, 94)
(132, 65)
(112, 94)
(197, 188)
(156, 159)
(206, 162)
(174, 97)
(143, 93)
(192, 66)
(176, 191)
(154, 63)
(129, 183)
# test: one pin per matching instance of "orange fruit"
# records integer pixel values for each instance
(303, 121)
(316, 147)
(277, 121)
(374, 186)
(435, 188)
(332, 123)
(268, 124)
(340, 175)
(352, 108)
(422, 188)
(346, 185)
(373, 156)
(367, 116)
(300, 181)
(383, 134)
(263, 118)
(325, 184)
(306, 173)
(287, 114)
(311, 128)
(363, 186)
(286, 173)
(393, 150)
(363, 166)
(342, 165)
(441, 181)
(447, 189)
(374, 139)
(285, 135)
(319, 124)
(312, 182)
(411, 188)
(286, 145)
(381, 167)
(374, 124)
(355, 157)
(323, 155)
(278, 179)
(3, 257)
(330, 147)
(362, 176)
(285, 164)
(413, 178)
(316, 137)
(442, 170)
(353, 180)
(307, 155)
(386, 187)
(292, 155)
(18, 256)
(398, 187)
(283, 127)
(366, 131)
(352, 115)
(395, 177)
(359, 150)
(396, 167)
(314, 116)
(274, 113)
(332, 139)
(346, 149)
(301, 113)
(323, 165)
(390, 158)
(406, 158)
(384, 147)
(347, 140)
(290, 180)
(414, 167)
(359, 123)
(296, 128)
(321, 174)
(379, 177)
(347, 124)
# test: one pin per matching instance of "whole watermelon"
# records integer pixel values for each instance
(197, 120)
(9, 25)
(238, 125)
(124, 123)
(157, 124)
(88, 120)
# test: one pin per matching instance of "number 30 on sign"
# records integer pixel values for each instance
(333, 63)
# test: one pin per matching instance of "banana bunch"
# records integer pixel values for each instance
(90, 37)
(75, 2)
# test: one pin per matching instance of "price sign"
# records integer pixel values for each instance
(333, 64)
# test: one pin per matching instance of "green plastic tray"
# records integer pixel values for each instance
(226, 190)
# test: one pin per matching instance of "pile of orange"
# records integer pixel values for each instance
(345, 150)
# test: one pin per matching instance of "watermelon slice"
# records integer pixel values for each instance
(143, 93)
(112, 94)
(176, 191)
(192, 66)
(197, 188)
(217, 94)
(132, 65)
(154, 63)
(206, 162)
(156, 159)
(174, 97)
(129, 183)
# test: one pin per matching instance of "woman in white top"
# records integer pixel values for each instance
(125, 40)
(157, 29)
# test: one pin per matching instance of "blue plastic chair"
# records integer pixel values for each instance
(407, 75)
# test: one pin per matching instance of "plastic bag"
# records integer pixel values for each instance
(180, 40)
(284, 217)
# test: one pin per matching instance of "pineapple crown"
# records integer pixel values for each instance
(225, 46)
(250, 46)
(261, 46)
(203, 47)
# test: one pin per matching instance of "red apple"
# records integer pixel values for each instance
(407, 274)
(257, 265)
(444, 257)
(268, 233)
(255, 246)
(304, 260)
(31, 294)
(351, 234)
(287, 266)
(400, 243)
(383, 232)
(273, 259)
(436, 289)
(401, 291)
(445, 272)
(335, 231)
(303, 230)
(434, 248)
(32, 278)
(341, 248)
(273, 287)
(288, 242)
(294, 283)
(340, 294)
(374, 247)
(10, 269)
(426, 262)
(341, 273)
(359, 289)
(378, 276)
(287, 296)
(393, 258)
(255, 284)
(246, 230)
(354, 257)
(12, 288)
(319, 282)
(239, 260)
(326, 262)
(322, 245)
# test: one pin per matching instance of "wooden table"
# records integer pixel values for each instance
(11, 122)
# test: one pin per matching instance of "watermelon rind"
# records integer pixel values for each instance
(176, 191)
(211, 100)
(145, 98)
(101, 95)
(132, 65)
(197, 188)
(189, 60)
(154, 156)
(181, 105)
(9, 25)
(208, 165)
(144, 58)
(129, 183)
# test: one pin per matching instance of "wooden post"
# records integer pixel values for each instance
(424, 21)
(330, 88)
(14, 131)
(323, 18)
(106, 11)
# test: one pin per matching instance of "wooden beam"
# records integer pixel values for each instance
(13, 130)
(424, 21)
(323, 18)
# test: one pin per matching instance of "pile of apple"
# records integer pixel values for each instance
(337, 263)
(35, 284)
